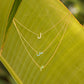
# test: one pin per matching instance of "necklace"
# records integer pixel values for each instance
(21, 36)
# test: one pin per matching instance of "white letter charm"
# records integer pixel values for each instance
(39, 37)
(41, 68)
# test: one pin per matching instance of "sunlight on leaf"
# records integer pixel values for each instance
(44, 44)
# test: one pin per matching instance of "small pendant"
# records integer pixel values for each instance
(40, 53)
(41, 68)
(39, 37)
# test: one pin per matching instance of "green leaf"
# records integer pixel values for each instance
(44, 45)
(11, 15)
(5, 8)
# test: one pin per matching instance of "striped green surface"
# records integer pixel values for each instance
(5, 8)
(61, 41)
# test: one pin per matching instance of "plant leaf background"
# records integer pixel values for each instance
(67, 64)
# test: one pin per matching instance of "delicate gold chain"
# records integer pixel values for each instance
(39, 66)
